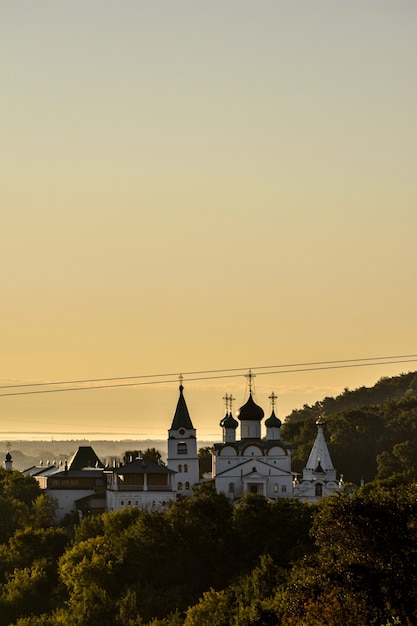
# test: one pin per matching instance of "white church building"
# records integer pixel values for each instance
(250, 463)
(319, 476)
(261, 464)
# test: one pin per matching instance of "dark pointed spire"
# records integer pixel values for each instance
(182, 417)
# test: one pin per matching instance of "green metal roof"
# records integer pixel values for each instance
(265, 444)
(182, 417)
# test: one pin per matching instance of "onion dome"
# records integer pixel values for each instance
(230, 422)
(273, 421)
(8, 457)
(250, 411)
(320, 421)
(222, 421)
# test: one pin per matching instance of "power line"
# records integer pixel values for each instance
(195, 375)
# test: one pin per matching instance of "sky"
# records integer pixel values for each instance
(202, 185)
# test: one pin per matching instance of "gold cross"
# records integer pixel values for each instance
(273, 397)
(250, 378)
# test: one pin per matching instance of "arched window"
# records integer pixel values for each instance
(185, 467)
(182, 448)
(180, 467)
(276, 487)
(319, 490)
(179, 486)
(231, 487)
(187, 485)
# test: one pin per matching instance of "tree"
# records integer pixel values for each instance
(43, 511)
(202, 527)
(23, 488)
(152, 455)
(279, 529)
(247, 602)
(25, 592)
(14, 514)
(205, 461)
(367, 548)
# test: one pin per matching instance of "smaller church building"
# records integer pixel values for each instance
(250, 463)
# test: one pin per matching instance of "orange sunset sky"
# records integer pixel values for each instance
(203, 185)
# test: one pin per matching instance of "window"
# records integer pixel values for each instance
(179, 486)
(122, 502)
(187, 485)
(180, 467)
(182, 448)
(276, 487)
(231, 487)
(185, 467)
(319, 490)
(284, 488)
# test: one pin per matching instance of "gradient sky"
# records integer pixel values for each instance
(195, 185)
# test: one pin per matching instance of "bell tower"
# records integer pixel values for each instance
(182, 448)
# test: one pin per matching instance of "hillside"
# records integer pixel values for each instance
(371, 431)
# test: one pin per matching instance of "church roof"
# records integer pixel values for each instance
(265, 444)
(182, 417)
(229, 422)
(84, 457)
(319, 459)
(140, 466)
(250, 411)
(273, 421)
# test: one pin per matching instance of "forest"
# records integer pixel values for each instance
(349, 560)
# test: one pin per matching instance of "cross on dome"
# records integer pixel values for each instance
(273, 397)
(250, 378)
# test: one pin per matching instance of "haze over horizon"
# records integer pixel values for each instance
(194, 186)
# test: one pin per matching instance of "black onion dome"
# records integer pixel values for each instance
(273, 421)
(250, 411)
(222, 421)
(230, 422)
(8, 456)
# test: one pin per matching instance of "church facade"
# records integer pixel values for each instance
(250, 463)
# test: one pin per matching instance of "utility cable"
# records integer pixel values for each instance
(194, 373)
(346, 363)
